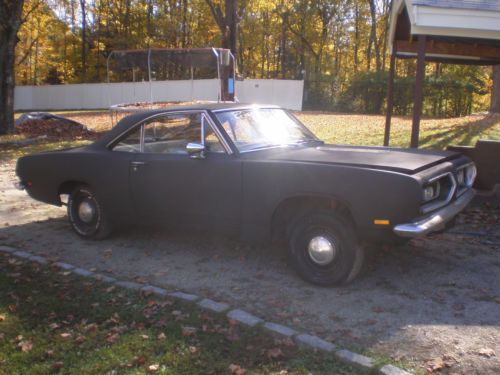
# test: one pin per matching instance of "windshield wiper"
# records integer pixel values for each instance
(305, 142)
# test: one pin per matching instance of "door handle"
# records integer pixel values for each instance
(136, 164)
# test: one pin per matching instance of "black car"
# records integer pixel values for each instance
(257, 172)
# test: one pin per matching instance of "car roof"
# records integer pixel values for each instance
(127, 122)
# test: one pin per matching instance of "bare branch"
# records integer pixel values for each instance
(34, 7)
(218, 15)
(28, 52)
(306, 42)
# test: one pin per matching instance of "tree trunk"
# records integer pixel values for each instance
(84, 38)
(10, 22)
(231, 24)
(283, 55)
(149, 27)
(356, 37)
(495, 93)
(228, 22)
(373, 36)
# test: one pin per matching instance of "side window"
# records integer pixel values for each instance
(131, 142)
(171, 134)
(212, 142)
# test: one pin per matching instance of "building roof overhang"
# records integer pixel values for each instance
(465, 32)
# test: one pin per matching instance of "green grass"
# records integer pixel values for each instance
(354, 129)
(51, 321)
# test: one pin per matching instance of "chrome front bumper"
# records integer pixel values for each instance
(435, 221)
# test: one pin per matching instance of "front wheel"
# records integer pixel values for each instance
(323, 248)
(86, 214)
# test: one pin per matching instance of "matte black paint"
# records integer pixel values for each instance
(239, 193)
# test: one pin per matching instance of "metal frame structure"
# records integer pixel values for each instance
(224, 61)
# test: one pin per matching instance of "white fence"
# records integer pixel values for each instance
(285, 93)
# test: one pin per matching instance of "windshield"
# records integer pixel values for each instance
(257, 128)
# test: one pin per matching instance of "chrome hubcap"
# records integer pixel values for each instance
(321, 250)
(86, 212)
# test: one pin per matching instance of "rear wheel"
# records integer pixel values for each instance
(323, 248)
(86, 214)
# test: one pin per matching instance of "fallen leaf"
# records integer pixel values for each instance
(162, 336)
(237, 370)
(65, 335)
(57, 365)
(25, 346)
(188, 331)
(193, 349)
(113, 338)
(439, 363)
(274, 353)
(80, 339)
(90, 327)
(154, 368)
(54, 326)
(486, 352)
(434, 364)
(139, 360)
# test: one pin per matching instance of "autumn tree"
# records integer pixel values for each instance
(337, 47)
(10, 22)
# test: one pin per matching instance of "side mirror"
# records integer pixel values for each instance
(196, 150)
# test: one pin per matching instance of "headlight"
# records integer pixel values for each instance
(438, 191)
(431, 191)
(470, 174)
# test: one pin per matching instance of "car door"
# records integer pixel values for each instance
(170, 186)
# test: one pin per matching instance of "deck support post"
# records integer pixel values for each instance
(418, 95)
(390, 96)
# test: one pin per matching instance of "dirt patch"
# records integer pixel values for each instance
(435, 301)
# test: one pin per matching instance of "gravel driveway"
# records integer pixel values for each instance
(435, 301)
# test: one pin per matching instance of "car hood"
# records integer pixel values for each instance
(399, 160)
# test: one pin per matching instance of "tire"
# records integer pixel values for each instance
(340, 265)
(86, 214)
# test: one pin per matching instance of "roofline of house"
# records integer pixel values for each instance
(431, 20)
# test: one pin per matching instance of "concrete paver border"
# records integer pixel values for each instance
(307, 340)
